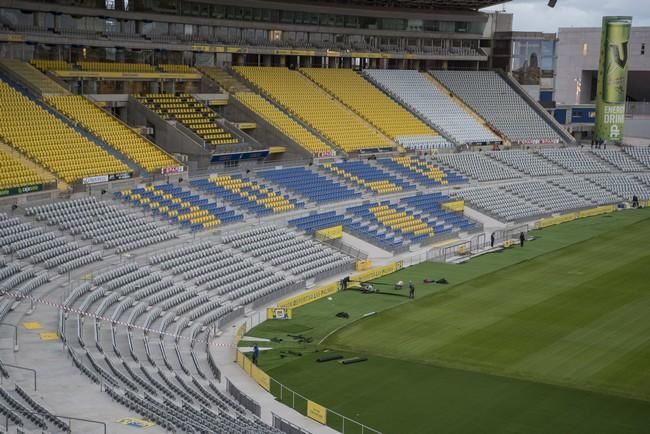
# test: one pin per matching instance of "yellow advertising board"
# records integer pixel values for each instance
(208, 48)
(317, 412)
(363, 265)
(136, 422)
(279, 313)
(295, 52)
(108, 75)
(597, 211)
(246, 125)
(309, 296)
(457, 205)
(261, 378)
(551, 221)
(376, 272)
(240, 359)
(333, 233)
(247, 365)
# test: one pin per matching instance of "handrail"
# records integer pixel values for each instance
(33, 371)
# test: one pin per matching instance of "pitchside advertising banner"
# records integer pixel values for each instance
(612, 78)
(20, 190)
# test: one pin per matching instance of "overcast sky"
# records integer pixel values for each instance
(536, 16)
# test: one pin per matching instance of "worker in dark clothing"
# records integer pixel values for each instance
(635, 201)
(522, 238)
(411, 289)
(256, 354)
(492, 240)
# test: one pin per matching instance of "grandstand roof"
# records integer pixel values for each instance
(419, 4)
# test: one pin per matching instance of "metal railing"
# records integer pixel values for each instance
(244, 400)
(285, 426)
(334, 420)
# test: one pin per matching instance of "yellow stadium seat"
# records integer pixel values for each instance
(15, 174)
(113, 132)
(49, 142)
(369, 102)
(191, 113)
(308, 102)
(284, 123)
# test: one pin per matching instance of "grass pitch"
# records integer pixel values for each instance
(551, 338)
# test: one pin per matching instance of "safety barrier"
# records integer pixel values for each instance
(243, 399)
(285, 426)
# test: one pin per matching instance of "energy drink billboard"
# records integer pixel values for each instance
(612, 78)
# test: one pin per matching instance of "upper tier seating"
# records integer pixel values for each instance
(366, 176)
(640, 154)
(175, 68)
(223, 79)
(574, 160)
(48, 141)
(526, 162)
(418, 93)
(115, 67)
(191, 113)
(250, 195)
(619, 159)
(15, 174)
(113, 132)
(305, 100)
(498, 103)
(309, 184)
(478, 166)
(51, 65)
(284, 123)
(180, 206)
(422, 171)
(31, 77)
(373, 105)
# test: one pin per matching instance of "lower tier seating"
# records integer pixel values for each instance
(309, 184)
(250, 195)
(180, 206)
(370, 177)
(421, 171)
(103, 223)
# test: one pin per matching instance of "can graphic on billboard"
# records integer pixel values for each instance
(612, 79)
(617, 35)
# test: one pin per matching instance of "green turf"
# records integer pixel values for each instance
(515, 343)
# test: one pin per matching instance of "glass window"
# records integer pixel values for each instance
(461, 27)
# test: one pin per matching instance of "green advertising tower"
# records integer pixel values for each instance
(612, 78)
